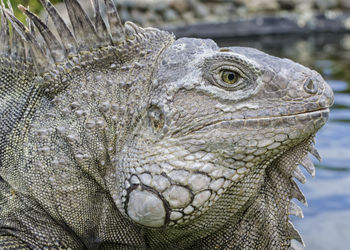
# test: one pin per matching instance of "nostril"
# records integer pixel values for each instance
(310, 86)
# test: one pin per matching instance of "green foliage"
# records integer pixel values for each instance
(34, 5)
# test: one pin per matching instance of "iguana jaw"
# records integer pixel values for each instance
(227, 121)
(266, 211)
(171, 191)
(276, 181)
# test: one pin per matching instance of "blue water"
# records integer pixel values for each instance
(327, 219)
(326, 225)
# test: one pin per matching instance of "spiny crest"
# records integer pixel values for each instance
(298, 155)
(283, 174)
(22, 43)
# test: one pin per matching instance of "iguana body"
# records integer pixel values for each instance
(124, 137)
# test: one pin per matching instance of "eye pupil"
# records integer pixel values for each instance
(231, 76)
(228, 76)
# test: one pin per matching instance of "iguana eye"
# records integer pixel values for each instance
(231, 74)
(229, 77)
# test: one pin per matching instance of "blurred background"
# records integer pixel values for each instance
(315, 33)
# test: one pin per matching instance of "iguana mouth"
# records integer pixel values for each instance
(262, 121)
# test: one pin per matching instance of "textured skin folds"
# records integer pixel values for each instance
(130, 139)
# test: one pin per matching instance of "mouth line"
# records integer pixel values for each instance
(283, 116)
(185, 131)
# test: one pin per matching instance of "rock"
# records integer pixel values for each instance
(180, 6)
(344, 4)
(346, 42)
(137, 16)
(200, 10)
(152, 18)
(262, 5)
(304, 7)
(160, 12)
(287, 4)
(326, 4)
(124, 14)
(160, 6)
(225, 9)
(143, 4)
(188, 17)
(170, 15)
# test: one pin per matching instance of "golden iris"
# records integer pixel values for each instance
(229, 77)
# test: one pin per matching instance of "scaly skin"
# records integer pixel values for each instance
(139, 143)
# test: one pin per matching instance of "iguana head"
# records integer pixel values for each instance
(216, 117)
(191, 140)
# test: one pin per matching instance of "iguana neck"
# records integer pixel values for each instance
(100, 92)
(258, 219)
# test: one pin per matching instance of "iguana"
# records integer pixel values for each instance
(120, 137)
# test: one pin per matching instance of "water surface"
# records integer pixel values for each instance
(326, 225)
